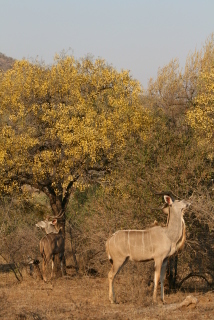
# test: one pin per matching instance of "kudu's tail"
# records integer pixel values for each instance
(108, 252)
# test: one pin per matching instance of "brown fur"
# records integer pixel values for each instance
(50, 245)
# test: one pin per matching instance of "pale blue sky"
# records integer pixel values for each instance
(138, 35)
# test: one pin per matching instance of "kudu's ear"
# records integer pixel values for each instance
(168, 200)
(54, 221)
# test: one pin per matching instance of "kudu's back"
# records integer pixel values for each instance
(138, 245)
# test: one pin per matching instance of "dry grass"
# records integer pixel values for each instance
(84, 297)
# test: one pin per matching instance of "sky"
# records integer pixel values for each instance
(136, 35)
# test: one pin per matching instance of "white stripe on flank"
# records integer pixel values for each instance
(129, 244)
(150, 237)
(143, 248)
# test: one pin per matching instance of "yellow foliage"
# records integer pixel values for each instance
(59, 121)
(201, 116)
(189, 93)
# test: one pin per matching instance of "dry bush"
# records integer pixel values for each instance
(20, 245)
(85, 247)
(19, 239)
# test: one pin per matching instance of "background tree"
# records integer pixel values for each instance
(176, 159)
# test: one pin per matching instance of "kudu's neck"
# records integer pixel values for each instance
(175, 225)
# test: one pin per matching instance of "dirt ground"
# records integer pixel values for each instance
(84, 297)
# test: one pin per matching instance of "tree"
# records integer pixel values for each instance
(167, 90)
(174, 96)
(174, 89)
(65, 124)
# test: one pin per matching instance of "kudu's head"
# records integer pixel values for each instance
(49, 226)
(177, 205)
(171, 202)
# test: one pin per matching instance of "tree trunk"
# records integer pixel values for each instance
(58, 210)
(58, 205)
(61, 222)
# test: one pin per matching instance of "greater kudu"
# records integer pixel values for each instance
(51, 244)
(156, 243)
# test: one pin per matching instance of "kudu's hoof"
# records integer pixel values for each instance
(113, 301)
(154, 302)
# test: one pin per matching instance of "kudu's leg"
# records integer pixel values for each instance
(116, 267)
(44, 263)
(62, 258)
(52, 270)
(162, 277)
(158, 264)
(111, 276)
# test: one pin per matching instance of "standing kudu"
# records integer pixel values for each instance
(51, 244)
(156, 243)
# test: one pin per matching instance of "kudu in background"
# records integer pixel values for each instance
(156, 243)
(51, 244)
